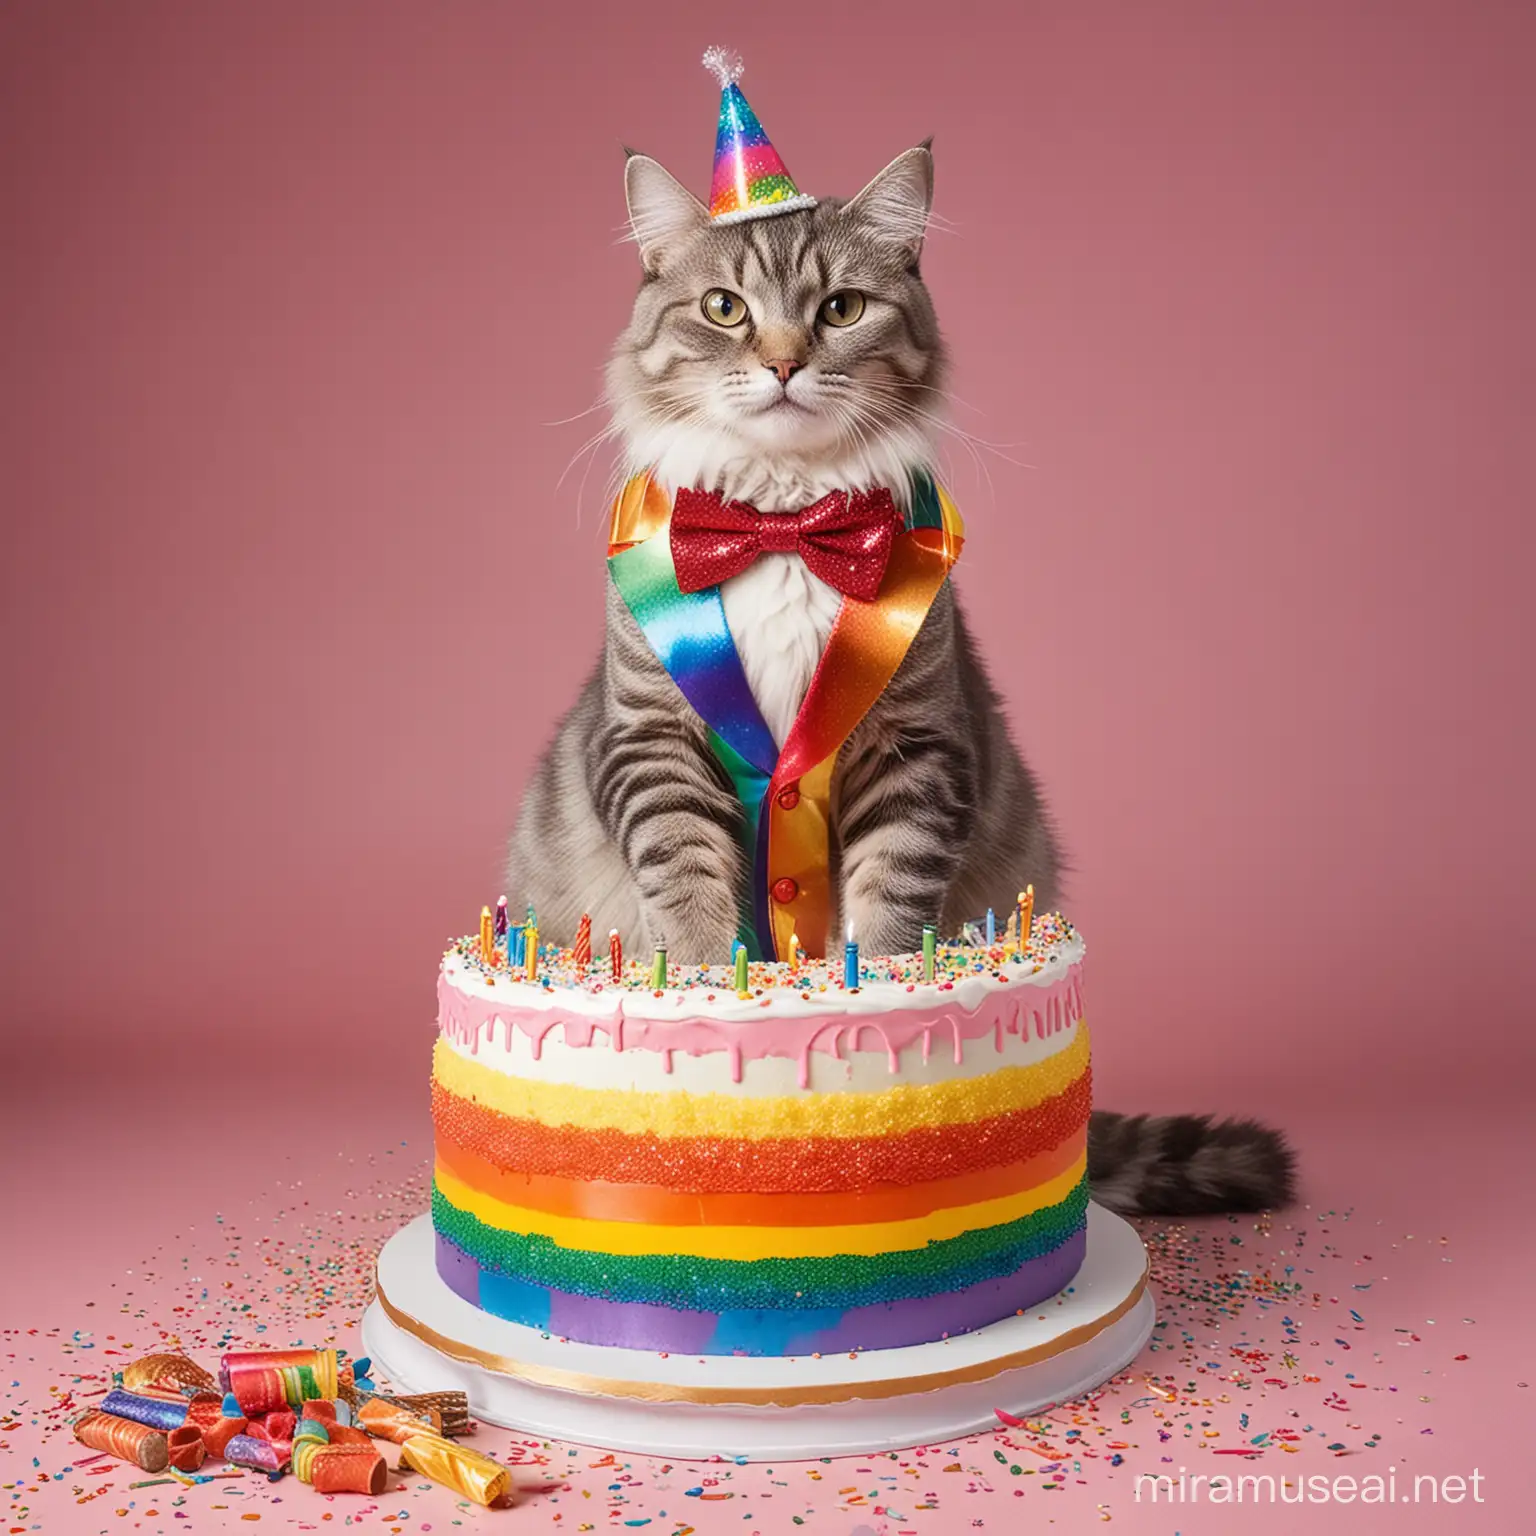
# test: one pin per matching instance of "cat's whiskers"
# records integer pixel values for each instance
(974, 445)
(900, 386)
(599, 404)
(865, 417)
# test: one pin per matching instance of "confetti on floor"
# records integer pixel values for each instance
(1278, 1343)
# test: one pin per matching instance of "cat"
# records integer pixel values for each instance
(774, 360)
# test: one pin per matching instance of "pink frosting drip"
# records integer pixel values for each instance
(1047, 1010)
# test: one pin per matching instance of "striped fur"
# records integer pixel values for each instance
(629, 816)
(934, 812)
(1187, 1165)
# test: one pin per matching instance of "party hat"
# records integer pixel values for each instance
(750, 180)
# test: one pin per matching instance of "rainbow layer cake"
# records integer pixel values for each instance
(790, 1167)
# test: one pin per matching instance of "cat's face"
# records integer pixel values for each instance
(802, 334)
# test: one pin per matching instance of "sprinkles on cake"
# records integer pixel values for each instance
(939, 964)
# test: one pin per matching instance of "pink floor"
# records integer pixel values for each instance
(1381, 1324)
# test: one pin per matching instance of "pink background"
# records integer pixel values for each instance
(293, 593)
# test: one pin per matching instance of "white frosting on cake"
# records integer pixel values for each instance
(784, 1040)
(861, 1071)
(696, 1002)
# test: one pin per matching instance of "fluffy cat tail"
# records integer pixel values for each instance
(1186, 1165)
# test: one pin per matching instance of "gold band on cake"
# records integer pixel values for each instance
(777, 1397)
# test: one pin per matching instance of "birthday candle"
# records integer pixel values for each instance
(616, 955)
(1026, 917)
(532, 949)
(487, 940)
(581, 955)
(851, 962)
(500, 929)
(794, 950)
(514, 948)
(741, 970)
(991, 927)
(659, 965)
(930, 946)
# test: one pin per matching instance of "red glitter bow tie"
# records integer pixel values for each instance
(845, 538)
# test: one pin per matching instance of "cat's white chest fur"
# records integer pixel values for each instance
(780, 616)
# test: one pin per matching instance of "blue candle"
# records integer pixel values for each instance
(991, 928)
(851, 963)
(516, 938)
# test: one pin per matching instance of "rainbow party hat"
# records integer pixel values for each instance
(750, 180)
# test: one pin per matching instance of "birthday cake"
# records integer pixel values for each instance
(775, 1159)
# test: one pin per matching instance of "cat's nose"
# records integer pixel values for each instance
(783, 367)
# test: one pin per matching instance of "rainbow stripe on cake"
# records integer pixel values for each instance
(803, 1170)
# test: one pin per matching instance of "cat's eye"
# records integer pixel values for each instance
(724, 307)
(842, 308)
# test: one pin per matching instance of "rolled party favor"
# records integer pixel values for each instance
(309, 1438)
(344, 1469)
(176, 1370)
(185, 1449)
(283, 1378)
(348, 1434)
(280, 1424)
(258, 1391)
(124, 1438)
(157, 1412)
(331, 1459)
(390, 1421)
(217, 1428)
(449, 1410)
(258, 1455)
(218, 1435)
(467, 1472)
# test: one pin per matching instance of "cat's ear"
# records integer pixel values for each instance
(661, 209)
(897, 202)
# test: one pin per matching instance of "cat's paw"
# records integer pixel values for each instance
(882, 929)
(696, 932)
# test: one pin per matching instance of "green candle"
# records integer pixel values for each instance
(659, 969)
(930, 947)
(741, 968)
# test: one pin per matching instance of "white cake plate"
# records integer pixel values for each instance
(426, 1338)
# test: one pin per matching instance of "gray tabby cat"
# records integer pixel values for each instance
(775, 360)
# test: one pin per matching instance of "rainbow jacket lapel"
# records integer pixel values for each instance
(785, 795)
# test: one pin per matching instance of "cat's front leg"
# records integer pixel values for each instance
(687, 869)
(903, 817)
(660, 797)
(663, 800)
